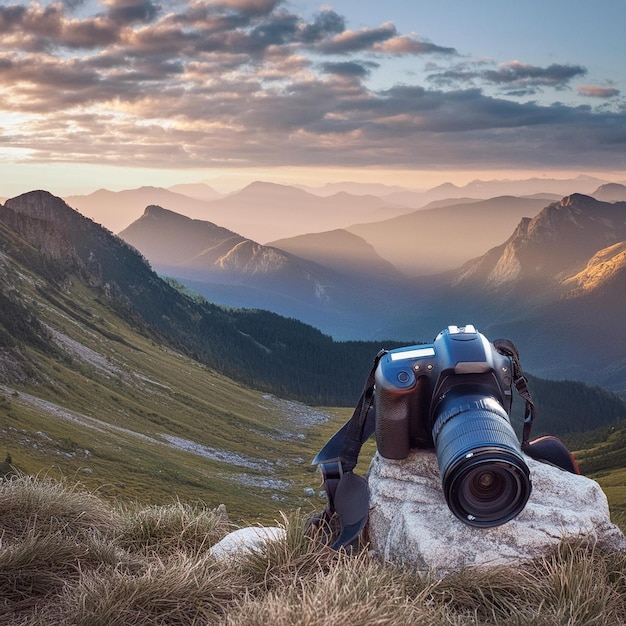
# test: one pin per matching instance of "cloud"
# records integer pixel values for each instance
(403, 44)
(516, 74)
(595, 91)
(356, 41)
(252, 82)
(519, 79)
(350, 68)
(130, 11)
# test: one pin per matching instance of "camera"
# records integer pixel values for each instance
(455, 396)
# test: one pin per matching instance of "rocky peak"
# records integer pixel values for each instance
(45, 221)
(575, 199)
(556, 243)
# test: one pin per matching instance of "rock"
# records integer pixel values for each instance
(410, 523)
(250, 539)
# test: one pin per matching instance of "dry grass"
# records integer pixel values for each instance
(68, 558)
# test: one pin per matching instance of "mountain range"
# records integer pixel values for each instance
(228, 268)
(260, 211)
(548, 274)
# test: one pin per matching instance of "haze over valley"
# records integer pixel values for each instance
(540, 268)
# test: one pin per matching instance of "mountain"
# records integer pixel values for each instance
(167, 238)
(228, 268)
(442, 238)
(611, 192)
(490, 188)
(266, 211)
(199, 191)
(357, 189)
(115, 210)
(552, 246)
(260, 211)
(342, 251)
(484, 189)
(555, 287)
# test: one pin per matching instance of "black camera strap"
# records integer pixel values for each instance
(548, 449)
(347, 493)
(508, 348)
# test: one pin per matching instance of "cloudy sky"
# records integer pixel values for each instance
(121, 93)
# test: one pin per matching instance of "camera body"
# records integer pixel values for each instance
(455, 396)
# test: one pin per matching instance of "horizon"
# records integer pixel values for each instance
(121, 94)
(232, 183)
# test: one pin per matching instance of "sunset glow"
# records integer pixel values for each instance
(123, 93)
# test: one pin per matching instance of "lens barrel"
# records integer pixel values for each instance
(484, 477)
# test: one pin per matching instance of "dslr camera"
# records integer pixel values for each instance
(455, 396)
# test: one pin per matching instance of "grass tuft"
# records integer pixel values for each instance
(168, 529)
(68, 559)
(40, 505)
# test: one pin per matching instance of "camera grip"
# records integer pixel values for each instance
(392, 422)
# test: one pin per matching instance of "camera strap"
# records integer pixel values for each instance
(548, 449)
(347, 493)
(508, 348)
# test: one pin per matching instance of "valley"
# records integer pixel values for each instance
(145, 390)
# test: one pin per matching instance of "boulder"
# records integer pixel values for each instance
(410, 523)
(245, 540)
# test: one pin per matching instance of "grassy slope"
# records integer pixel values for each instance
(116, 394)
(602, 456)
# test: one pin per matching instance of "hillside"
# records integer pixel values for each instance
(90, 394)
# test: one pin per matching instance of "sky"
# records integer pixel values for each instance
(125, 93)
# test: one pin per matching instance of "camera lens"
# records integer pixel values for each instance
(484, 477)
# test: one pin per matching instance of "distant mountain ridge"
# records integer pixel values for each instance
(260, 211)
(266, 211)
(226, 267)
(115, 210)
(552, 246)
(442, 238)
(561, 269)
(557, 287)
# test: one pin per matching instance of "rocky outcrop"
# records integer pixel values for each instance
(44, 221)
(554, 245)
(411, 524)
